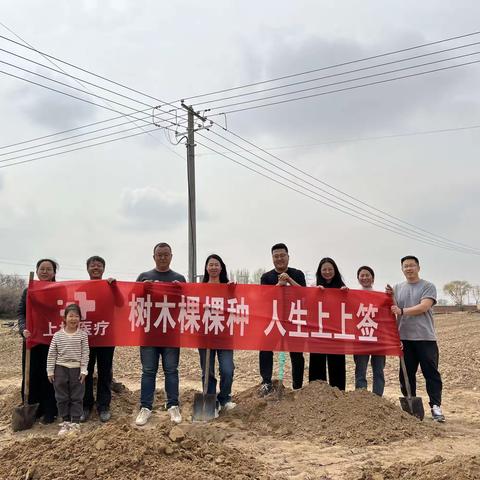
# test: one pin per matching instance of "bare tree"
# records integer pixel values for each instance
(241, 275)
(11, 288)
(475, 291)
(457, 290)
(257, 275)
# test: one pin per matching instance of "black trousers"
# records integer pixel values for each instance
(336, 369)
(41, 390)
(425, 354)
(298, 366)
(103, 357)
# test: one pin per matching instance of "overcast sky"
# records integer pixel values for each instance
(117, 200)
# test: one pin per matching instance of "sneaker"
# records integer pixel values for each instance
(64, 428)
(85, 415)
(105, 415)
(143, 415)
(265, 389)
(229, 406)
(437, 414)
(74, 428)
(175, 415)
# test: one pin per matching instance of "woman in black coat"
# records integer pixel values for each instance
(41, 390)
(328, 276)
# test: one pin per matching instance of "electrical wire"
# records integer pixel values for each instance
(354, 87)
(348, 72)
(406, 226)
(308, 195)
(77, 149)
(342, 64)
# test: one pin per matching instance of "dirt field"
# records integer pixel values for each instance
(315, 433)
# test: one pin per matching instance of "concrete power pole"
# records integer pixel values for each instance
(192, 222)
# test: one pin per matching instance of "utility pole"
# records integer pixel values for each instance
(192, 223)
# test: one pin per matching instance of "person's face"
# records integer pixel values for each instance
(45, 272)
(410, 269)
(280, 259)
(162, 257)
(72, 320)
(95, 269)
(327, 271)
(214, 268)
(365, 279)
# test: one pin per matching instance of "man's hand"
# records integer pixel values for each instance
(26, 333)
(111, 280)
(396, 310)
(285, 278)
(389, 290)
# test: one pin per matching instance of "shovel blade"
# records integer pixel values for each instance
(204, 407)
(413, 406)
(23, 417)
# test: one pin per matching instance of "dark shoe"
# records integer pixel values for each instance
(265, 389)
(47, 419)
(105, 415)
(85, 415)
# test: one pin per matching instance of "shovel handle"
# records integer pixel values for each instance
(26, 373)
(26, 383)
(281, 366)
(207, 371)
(405, 377)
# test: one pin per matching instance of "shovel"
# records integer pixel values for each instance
(204, 404)
(23, 417)
(281, 371)
(409, 404)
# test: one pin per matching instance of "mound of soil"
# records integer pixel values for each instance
(120, 451)
(10, 397)
(328, 415)
(438, 468)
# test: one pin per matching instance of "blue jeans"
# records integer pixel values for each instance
(226, 366)
(149, 357)
(378, 364)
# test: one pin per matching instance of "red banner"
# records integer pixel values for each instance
(218, 316)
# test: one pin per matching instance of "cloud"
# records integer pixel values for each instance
(54, 110)
(150, 208)
(377, 108)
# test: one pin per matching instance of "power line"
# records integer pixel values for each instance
(71, 137)
(342, 82)
(78, 148)
(85, 70)
(351, 197)
(347, 72)
(392, 226)
(78, 80)
(354, 87)
(359, 139)
(70, 144)
(342, 64)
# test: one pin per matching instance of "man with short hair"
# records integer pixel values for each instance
(414, 300)
(149, 356)
(281, 275)
(102, 356)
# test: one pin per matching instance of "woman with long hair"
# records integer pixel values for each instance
(328, 276)
(216, 272)
(41, 390)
